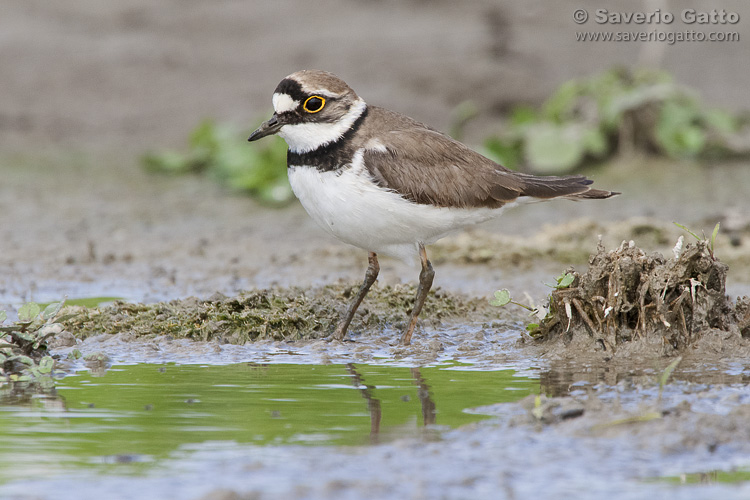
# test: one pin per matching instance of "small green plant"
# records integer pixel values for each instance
(503, 298)
(23, 344)
(617, 110)
(710, 242)
(223, 153)
(646, 415)
(563, 281)
(666, 374)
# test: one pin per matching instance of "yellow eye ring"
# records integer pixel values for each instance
(313, 109)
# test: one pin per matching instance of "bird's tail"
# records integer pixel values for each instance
(572, 187)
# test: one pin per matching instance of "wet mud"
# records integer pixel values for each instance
(272, 314)
(628, 302)
(80, 218)
(603, 408)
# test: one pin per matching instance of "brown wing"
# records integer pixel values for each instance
(428, 167)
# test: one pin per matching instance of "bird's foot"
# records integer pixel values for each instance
(406, 336)
(338, 334)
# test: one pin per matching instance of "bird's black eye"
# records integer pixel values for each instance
(313, 104)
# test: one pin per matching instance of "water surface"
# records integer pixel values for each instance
(134, 416)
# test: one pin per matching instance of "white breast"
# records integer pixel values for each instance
(350, 206)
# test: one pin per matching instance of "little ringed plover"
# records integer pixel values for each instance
(388, 184)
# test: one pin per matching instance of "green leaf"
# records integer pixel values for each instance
(3, 316)
(502, 297)
(692, 139)
(206, 135)
(687, 230)
(52, 309)
(28, 312)
(677, 130)
(523, 115)
(28, 337)
(506, 152)
(538, 410)
(644, 417)
(595, 142)
(715, 233)
(552, 148)
(168, 162)
(564, 280)
(633, 99)
(721, 121)
(560, 105)
(65, 317)
(667, 372)
(23, 359)
(75, 354)
(46, 364)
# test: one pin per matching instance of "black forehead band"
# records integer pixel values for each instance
(292, 88)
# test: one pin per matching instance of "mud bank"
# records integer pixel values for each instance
(628, 305)
(272, 314)
(633, 304)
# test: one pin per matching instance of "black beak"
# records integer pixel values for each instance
(269, 127)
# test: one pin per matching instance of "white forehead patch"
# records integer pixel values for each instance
(283, 102)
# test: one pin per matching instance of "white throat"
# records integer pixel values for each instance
(305, 137)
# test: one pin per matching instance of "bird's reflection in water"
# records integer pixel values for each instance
(429, 411)
(373, 404)
(425, 398)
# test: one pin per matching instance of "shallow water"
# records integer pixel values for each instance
(291, 431)
(497, 458)
(134, 416)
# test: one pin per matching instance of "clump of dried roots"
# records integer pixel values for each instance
(627, 295)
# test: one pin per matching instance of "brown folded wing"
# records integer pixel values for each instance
(427, 167)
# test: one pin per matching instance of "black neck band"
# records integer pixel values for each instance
(330, 156)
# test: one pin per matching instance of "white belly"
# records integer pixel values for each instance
(351, 207)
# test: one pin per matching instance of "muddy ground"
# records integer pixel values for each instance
(122, 233)
(135, 75)
(89, 86)
(86, 226)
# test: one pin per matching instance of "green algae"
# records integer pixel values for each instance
(276, 314)
(23, 344)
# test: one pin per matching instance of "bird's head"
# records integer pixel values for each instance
(311, 109)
